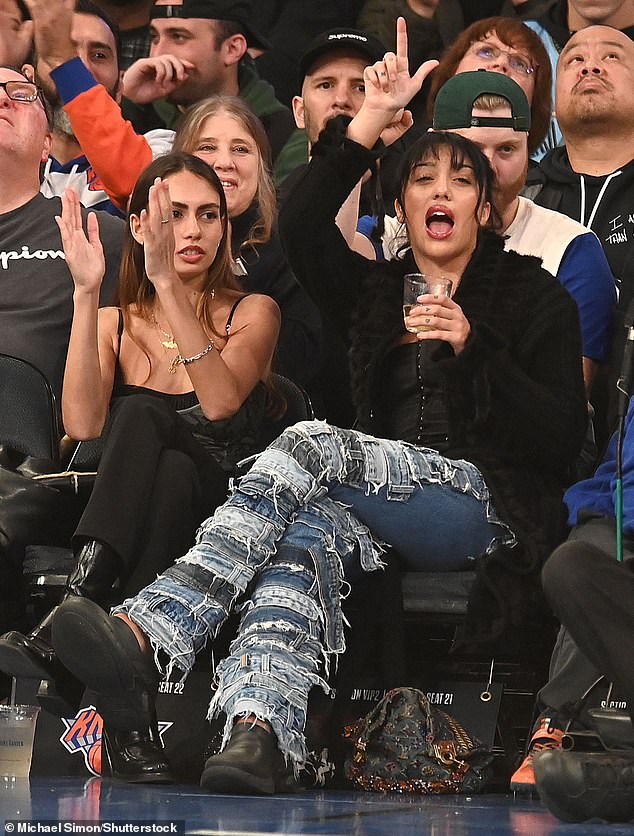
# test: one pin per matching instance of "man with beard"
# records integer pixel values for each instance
(591, 179)
(133, 19)
(565, 17)
(78, 49)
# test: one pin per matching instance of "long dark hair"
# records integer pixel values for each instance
(462, 151)
(516, 35)
(134, 286)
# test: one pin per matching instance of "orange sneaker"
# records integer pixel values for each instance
(546, 737)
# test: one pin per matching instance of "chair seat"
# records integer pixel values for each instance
(47, 566)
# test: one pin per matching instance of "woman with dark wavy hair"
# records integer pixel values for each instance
(505, 45)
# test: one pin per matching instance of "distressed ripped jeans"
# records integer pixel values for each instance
(317, 499)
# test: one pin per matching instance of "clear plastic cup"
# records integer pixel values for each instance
(418, 284)
(17, 731)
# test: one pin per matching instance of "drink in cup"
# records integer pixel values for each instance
(420, 284)
(17, 730)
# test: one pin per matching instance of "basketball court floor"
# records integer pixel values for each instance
(77, 805)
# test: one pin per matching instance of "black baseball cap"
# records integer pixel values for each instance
(236, 10)
(355, 40)
(454, 102)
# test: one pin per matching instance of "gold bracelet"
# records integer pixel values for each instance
(187, 360)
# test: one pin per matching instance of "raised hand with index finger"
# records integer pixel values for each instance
(389, 87)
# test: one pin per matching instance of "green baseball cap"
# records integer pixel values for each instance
(453, 107)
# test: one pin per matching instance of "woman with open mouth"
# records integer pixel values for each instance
(466, 433)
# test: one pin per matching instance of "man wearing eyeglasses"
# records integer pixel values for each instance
(35, 286)
(36, 290)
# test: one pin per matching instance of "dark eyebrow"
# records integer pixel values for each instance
(97, 45)
(177, 30)
(332, 77)
(170, 30)
(178, 205)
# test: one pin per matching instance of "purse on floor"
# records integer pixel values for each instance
(407, 745)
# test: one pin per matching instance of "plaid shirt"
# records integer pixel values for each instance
(135, 44)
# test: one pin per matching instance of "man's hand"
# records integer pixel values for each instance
(53, 20)
(16, 37)
(149, 79)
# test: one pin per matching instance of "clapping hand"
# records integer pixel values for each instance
(155, 227)
(84, 253)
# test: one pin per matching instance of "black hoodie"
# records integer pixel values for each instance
(605, 204)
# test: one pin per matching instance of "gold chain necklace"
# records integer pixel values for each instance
(169, 342)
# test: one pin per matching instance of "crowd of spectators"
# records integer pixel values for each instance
(322, 115)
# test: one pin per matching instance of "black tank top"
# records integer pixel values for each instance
(228, 440)
(179, 401)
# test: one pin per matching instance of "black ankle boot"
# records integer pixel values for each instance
(103, 652)
(98, 567)
(32, 656)
(251, 764)
(137, 757)
(577, 786)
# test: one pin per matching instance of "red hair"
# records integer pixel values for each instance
(516, 35)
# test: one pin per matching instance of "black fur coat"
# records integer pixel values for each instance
(514, 396)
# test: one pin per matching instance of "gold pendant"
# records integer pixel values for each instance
(171, 343)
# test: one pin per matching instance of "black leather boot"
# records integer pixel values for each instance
(104, 653)
(576, 786)
(98, 567)
(32, 656)
(251, 764)
(136, 757)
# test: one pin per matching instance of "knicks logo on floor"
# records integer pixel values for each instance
(83, 734)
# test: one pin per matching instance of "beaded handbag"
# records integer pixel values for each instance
(407, 745)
